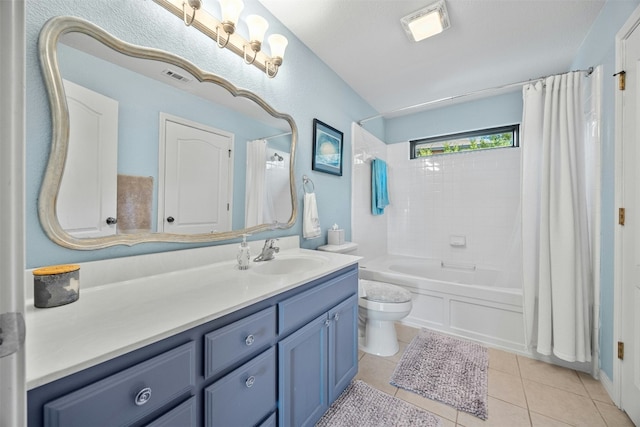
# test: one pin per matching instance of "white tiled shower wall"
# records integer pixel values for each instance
(475, 195)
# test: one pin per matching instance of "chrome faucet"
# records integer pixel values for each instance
(268, 251)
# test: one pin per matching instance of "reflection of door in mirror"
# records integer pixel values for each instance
(196, 170)
(86, 204)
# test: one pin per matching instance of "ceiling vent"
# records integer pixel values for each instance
(176, 76)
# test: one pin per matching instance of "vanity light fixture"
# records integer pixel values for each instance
(426, 22)
(278, 44)
(225, 35)
(231, 10)
(257, 29)
(195, 5)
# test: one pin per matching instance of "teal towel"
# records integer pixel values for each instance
(379, 194)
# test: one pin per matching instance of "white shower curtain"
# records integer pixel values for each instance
(557, 278)
(255, 185)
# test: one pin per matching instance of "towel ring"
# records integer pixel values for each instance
(306, 180)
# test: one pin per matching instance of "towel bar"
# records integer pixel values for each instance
(306, 180)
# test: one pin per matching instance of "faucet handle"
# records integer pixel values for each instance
(270, 242)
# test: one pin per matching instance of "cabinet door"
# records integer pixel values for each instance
(343, 346)
(303, 372)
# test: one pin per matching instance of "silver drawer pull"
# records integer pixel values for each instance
(143, 396)
(249, 339)
(249, 382)
(336, 317)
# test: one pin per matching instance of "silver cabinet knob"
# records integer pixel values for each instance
(249, 339)
(327, 322)
(249, 382)
(143, 396)
(336, 317)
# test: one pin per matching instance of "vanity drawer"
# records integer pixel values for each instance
(245, 396)
(298, 310)
(238, 341)
(183, 415)
(270, 422)
(129, 395)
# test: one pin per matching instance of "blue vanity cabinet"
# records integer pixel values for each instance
(277, 362)
(319, 359)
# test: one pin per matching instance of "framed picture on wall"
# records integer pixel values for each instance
(327, 148)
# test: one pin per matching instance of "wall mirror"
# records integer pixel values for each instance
(147, 147)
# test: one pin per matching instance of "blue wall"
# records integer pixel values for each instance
(599, 48)
(499, 110)
(305, 88)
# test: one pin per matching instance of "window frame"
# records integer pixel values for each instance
(421, 142)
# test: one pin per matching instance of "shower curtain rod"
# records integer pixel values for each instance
(276, 136)
(450, 98)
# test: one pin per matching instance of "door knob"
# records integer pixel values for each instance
(170, 219)
(111, 220)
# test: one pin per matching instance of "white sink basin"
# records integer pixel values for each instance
(289, 264)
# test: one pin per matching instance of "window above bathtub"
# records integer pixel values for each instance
(482, 139)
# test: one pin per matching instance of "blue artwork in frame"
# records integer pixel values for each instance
(327, 148)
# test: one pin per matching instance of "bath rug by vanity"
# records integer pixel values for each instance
(446, 369)
(361, 405)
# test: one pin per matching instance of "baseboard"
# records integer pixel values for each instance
(608, 386)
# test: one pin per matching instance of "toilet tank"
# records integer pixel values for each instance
(346, 248)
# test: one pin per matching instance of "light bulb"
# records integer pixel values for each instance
(257, 28)
(231, 10)
(278, 44)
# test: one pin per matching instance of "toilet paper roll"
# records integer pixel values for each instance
(335, 237)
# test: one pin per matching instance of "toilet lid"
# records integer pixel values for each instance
(383, 292)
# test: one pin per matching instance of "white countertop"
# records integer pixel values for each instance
(116, 318)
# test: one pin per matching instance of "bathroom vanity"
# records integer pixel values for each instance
(273, 348)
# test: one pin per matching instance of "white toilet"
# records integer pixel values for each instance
(380, 304)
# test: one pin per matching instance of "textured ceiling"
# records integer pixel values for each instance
(490, 43)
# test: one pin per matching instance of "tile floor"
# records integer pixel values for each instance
(522, 392)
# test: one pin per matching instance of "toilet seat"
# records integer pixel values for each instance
(382, 292)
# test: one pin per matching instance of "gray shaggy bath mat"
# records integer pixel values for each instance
(361, 405)
(446, 369)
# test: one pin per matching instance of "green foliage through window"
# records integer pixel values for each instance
(505, 136)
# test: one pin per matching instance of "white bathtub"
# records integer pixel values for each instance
(457, 299)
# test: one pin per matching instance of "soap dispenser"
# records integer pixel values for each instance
(244, 256)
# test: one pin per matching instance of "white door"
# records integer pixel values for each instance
(12, 259)
(628, 59)
(196, 185)
(88, 192)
